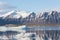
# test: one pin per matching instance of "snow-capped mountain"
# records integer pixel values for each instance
(7, 14)
(15, 14)
(23, 17)
(25, 14)
(11, 14)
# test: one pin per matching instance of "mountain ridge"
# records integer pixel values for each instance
(23, 17)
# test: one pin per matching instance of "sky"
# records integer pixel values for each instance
(28, 5)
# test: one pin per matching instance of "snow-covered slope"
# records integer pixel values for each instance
(15, 14)
(24, 14)
(7, 14)
(11, 14)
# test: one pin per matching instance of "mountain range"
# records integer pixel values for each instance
(23, 18)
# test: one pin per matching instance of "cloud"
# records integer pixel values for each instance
(3, 3)
(4, 7)
(51, 9)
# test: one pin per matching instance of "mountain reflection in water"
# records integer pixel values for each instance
(42, 33)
